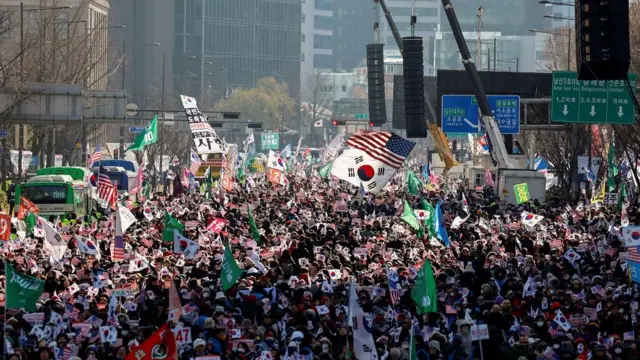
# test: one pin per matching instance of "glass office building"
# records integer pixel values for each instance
(230, 44)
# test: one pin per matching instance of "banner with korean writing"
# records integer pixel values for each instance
(205, 138)
(522, 192)
(270, 141)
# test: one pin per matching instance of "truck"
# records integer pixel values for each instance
(57, 191)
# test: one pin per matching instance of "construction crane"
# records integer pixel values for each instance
(496, 144)
(439, 138)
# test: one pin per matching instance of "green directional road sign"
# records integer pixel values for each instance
(362, 116)
(591, 101)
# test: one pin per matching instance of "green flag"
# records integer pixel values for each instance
(325, 171)
(255, 233)
(414, 185)
(231, 272)
(430, 221)
(31, 222)
(612, 168)
(147, 137)
(22, 290)
(424, 290)
(170, 224)
(622, 197)
(409, 216)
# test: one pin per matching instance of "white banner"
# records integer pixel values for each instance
(26, 160)
(205, 138)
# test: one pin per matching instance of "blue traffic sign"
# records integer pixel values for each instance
(4, 133)
(460, 113)
(136, 129)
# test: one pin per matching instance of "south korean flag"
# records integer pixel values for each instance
(356, 167)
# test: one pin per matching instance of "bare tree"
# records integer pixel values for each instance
(559, 49)
(57, 46)
(317, 99)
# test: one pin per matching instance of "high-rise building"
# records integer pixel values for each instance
(211, 46)
(334, 36)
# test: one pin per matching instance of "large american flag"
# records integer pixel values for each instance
(117, 249)
(96, 156)
(107, 191)
(386, 147)
(195, 162)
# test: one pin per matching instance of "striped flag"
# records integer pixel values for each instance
(394, 292)
(386, 147)
(107, 191)
(195, 162)
(96, 156)
(130, 204)
(633, 253)
(117, 246)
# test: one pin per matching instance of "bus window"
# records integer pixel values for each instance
(45, 194)
(121, 179)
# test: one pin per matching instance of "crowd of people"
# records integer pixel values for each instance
(505, 289)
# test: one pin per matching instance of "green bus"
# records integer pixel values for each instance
(57, 191)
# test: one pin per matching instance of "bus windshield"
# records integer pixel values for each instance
(121, 179)
(45, 194)
(127, 165)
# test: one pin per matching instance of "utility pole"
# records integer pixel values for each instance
(21, 127)
(161, 131)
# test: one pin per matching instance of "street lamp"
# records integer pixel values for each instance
(547, 2)
(559, 17)
(124, 53)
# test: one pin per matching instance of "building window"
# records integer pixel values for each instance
(324, 5)
(303, 18)
(303, 37)
(323, 22)
(323, 61)
(344, 88)
(322, 42)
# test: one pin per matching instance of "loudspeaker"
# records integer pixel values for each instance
(375, 76)
(602, 39)
(413, 71)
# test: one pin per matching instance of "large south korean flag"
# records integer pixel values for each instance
(355, 166)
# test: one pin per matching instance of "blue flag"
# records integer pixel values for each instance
(425, 172)
(441, 231)
(634, 270)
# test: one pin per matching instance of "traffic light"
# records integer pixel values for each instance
(371, 124)
(602, 39)
(254, 125)
(413, 72)
(375, 77)
(215, 124)
(335, 122)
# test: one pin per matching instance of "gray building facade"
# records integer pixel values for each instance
(211, 46)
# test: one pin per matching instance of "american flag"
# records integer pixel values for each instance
(633, 253)
(96, 156)
(63, 354)
(117, 249)
(386, 147)
(107, 191)
(195, 162)
(394, 292)
(130, 204)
